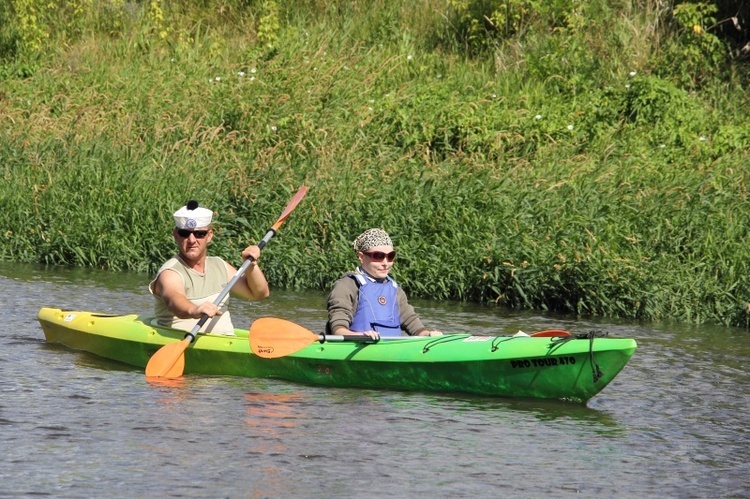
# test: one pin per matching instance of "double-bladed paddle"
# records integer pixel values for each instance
(271, 338)
(169, 360)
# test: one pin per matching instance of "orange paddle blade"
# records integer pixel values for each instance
(290, 206)
(551, 333)
(168, 361)
(271, 337)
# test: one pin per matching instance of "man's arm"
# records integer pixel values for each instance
(171, 289)
(254, 286)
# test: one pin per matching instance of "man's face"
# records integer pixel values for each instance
(193, 243)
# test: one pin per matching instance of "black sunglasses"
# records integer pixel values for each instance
(379, 256)
(199, 234)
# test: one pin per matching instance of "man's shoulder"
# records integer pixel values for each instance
(170, 264)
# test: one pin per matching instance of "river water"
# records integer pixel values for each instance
(674, 422)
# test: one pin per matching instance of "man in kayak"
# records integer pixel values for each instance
(187, 285)
(367, 301)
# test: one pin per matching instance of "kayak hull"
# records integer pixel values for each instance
(500, 366)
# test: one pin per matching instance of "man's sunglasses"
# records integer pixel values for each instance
(199, 234)
(379, 256)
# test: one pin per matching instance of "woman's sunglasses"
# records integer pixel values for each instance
(199, 234)
(379, 256)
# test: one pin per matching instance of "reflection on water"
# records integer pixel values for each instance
(75, 425)
(273, 411)
(174, 385)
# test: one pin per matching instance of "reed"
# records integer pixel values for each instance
(545, 169)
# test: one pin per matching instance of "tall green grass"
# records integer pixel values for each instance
(556, 169)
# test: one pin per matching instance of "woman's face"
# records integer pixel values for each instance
(377, 261)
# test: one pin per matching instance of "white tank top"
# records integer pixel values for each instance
(199, 288)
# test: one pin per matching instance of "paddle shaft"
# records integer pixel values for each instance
(193, 332)
(271, 232)
(346, 337)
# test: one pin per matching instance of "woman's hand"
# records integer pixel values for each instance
(341, 330)
(372, 334)
(430, 332)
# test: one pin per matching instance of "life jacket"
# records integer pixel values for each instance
(377, 307)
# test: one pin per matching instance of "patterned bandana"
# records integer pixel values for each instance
(371, 238)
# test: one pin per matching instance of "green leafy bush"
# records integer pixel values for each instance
(550, 168)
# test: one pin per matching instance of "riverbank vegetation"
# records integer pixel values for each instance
(578, 157)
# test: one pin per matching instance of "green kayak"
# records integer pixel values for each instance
(569, 367)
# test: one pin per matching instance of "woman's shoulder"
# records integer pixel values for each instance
(349, 278)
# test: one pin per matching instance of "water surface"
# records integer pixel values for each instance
(673, 423)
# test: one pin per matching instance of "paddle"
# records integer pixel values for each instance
(271, 338)
(169, 360)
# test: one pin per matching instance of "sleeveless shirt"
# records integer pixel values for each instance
(199, 288)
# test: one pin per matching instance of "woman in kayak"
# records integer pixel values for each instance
(367, 301)
(187, 285)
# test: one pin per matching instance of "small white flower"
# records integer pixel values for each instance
(172, 59)
(218, 78)
(372, 101)
(702, 138)
(439, 76)
(538, 117)
(662, 146)
(627, 85)
(273, 128)
(494, 96)
(253, 70)
(241, 74)
(633, 73)
(252, 78)
(570, 127)
(409, 57)
(369, 108)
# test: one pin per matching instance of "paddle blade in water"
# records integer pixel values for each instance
(168, 361)
(271, 338)
(173, 375)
